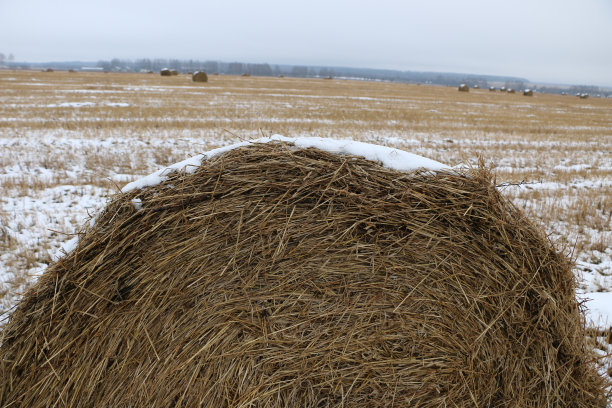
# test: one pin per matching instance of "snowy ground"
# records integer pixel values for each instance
(66, 145)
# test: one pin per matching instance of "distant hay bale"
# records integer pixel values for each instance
(510, 90)
(49, 70)
(464, 88)
(71, 71)
(502, 89)
(165, 72)
(246, 74)
(278, 276)
(199, 76)
(528, 92)
(281, 76)
(584, 96)
(476, 86)
(492, 88)
(173, 72)
(328, 77)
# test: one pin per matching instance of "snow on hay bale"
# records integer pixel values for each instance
(464, 88)
(528, 92)
(297, 273)
(165, 72)
(199, 76)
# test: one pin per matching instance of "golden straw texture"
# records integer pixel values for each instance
(279, 277)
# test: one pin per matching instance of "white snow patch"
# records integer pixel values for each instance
(117, 104)
(66, 248)
(137, 203)
(599, 308)
(86, 104)
(71, 105)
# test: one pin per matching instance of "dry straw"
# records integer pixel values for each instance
(199, 76)
(279, 277)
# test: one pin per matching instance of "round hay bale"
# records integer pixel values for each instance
(274, 275)
(199, 76)
(502, 89)
(165, 72)
(173, 72)
(510, 90)
(246, 74)
(464, 88)
(492, 88)
(528, 92)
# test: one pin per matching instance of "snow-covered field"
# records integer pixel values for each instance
(69, 141)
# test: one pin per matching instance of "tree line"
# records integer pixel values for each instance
(266, 69)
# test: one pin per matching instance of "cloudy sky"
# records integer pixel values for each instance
(557, 41)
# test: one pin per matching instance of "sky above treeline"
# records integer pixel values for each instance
(555, 41)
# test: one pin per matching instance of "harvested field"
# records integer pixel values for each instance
(69, 140)
(279, 276)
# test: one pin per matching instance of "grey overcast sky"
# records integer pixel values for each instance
(558, 41)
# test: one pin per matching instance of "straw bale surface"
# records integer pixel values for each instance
(283, 277)
(199, 76)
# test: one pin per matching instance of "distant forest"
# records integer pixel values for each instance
(303, 71)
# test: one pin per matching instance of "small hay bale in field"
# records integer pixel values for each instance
(476, 86)
(584, 96)
(165, 72)
(528, 92)
(510, 90)
(281, 275)
(199, 76)
(464, 88)
(492, 88)
(502, 89)
(173, 72)
(246, 74)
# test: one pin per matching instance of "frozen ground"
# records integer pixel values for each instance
(68, 143)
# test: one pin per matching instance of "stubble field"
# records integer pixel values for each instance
(70, 140)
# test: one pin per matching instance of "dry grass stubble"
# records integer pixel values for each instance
(272, 277)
